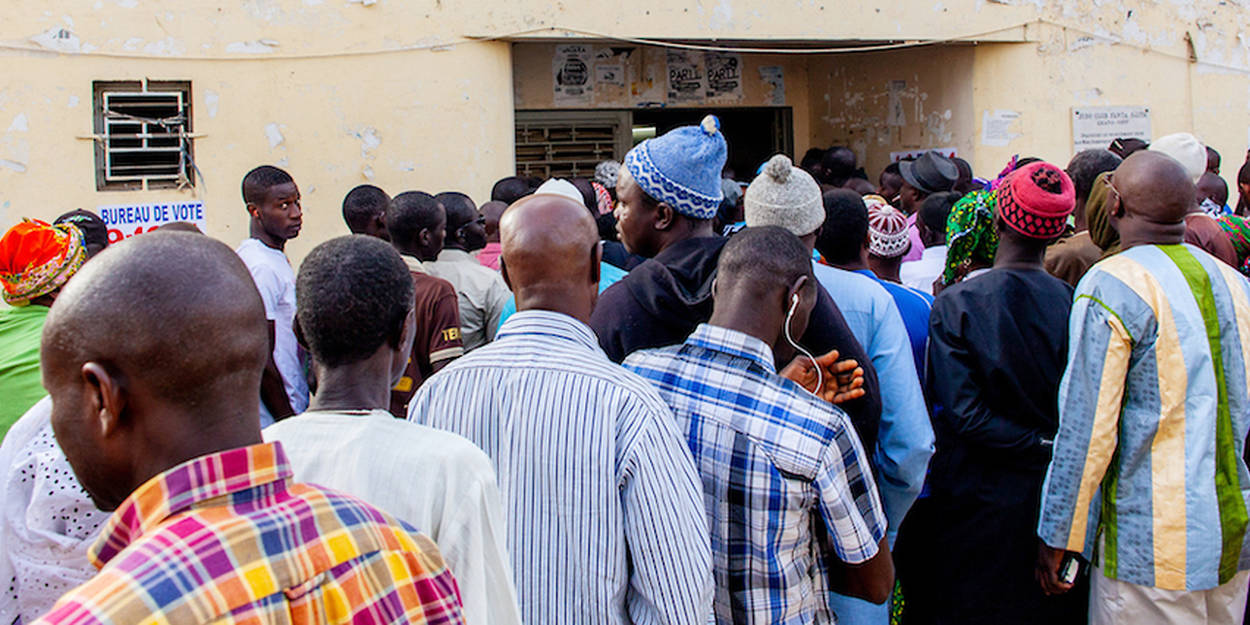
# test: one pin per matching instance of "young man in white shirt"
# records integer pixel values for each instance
(356, 319)
(273, 202)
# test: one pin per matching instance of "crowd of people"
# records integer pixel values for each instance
(660, 395)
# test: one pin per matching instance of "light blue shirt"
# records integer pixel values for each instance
(609, 274)
(604, 506)
(905, 434)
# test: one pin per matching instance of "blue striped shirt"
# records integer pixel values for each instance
(605, 521)
(785, 480)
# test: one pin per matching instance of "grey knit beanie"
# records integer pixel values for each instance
(786, 196)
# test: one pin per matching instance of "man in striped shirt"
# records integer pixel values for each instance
(790, 499)
(605, 522)
(1153, 408)
(208, 526)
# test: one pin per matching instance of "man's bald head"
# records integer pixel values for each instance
(1154, 187)
(153, 351)
(551, 253)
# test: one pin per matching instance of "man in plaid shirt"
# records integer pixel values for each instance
(792, 508)
(163, 429)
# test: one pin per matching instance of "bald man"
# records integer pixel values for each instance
(1153, 415)
(164, 432)
(605, 511)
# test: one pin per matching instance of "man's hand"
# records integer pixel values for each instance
(1046, 571)
(842, 380)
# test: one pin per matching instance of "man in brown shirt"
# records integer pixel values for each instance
(416, 223)
(1071, 256)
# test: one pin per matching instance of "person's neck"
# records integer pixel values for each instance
(685, 230)
(455, 246)
(417, 252)
(741, 311)
(886, 268)
(856, 264)
(212, 429)
(361, 385)
(1011, 256)
(571, 302)
(1078, 217)
(43, 300)
(257, 232)
(1152, 234)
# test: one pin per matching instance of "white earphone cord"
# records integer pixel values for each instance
(820, 379)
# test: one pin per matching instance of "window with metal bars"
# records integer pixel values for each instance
(568, 144)
(143, 132)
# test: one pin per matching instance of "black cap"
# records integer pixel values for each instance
(95, 232)
(931, 173)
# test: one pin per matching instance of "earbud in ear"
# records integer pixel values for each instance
(794, 301)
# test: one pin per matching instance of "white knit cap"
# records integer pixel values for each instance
(786, 196)
(561, 187)
(1186, 149)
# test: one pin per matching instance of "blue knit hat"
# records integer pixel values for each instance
(682, 168)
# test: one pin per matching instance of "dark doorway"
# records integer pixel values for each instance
(753, 134)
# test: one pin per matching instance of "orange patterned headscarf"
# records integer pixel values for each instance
(37, 258)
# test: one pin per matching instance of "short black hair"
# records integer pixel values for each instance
(258, 182)
(811, 158)
(363, 204)
(1243, 174)
(935, 209)
(893, 169)
(460, 208)
(95, 233)
(846, 226)
(765, 258)
(839, 163)
(1086, 166)
(1213, 158)
(511, 189)
(409, 213)
(354, 293)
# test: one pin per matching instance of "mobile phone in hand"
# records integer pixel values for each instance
(1068, 568)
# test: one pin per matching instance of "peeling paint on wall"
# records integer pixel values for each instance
(211, 99)
(369, 140)
(19, 124)
(258, 46)
(274, 133)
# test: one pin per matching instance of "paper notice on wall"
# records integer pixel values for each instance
(610, 67)
(685, 76)
(774, 77)
(571, 75)
(1097, 126)
(724, 75)
(126, 220)
(913, 154)
(996, 127)
(894, 114)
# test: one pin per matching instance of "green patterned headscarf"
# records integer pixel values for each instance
(971, 238)
(1238, 231)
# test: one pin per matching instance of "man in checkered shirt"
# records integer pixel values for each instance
(793, 511)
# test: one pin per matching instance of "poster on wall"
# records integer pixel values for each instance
(911, 154)
(127, 220)
(1097, 126)
(685, 76)
(894, 114)
(774, 77)
(610, 67)
(724, 75)
(996, 127)
(571, 75)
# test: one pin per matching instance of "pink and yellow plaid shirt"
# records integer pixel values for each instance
(227, 538)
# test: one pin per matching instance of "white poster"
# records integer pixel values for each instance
(724, 75)
(125, 221)
(685, 76)
(1097, 126)
(898, 156)
(775, 77)
(571, 78)
(996, 127)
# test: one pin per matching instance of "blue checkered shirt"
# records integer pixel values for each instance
(785, 479)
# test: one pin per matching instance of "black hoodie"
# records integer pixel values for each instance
(662, 300)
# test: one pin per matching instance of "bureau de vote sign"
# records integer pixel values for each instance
(125, 221)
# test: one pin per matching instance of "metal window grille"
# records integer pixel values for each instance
(568, 144)
(143, 131)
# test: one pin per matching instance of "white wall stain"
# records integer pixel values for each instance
(14, 165)
(19, 124)
(211, 100)
(165, 47)
(369, 140)
(722, 15)
(405, 165)
(59, 39)
(273, 132)
(71, 101)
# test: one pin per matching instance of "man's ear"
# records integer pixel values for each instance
(503, 272)
(404, 332)
(253, 210)
(380, 220)
(423, 237)
(664, 216)
(299, 333)
(796, 290)
(106, 396)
